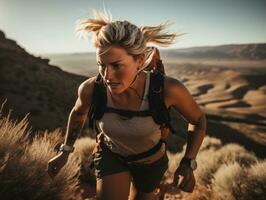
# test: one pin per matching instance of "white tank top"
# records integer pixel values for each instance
(130, 136)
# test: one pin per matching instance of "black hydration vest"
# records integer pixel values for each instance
(157, 108)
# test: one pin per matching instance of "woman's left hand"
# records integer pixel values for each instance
(184, 178)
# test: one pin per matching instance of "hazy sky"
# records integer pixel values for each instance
(47, 26)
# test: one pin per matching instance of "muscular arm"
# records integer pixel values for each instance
(195, 137)
(179, 97)
(79, 112)
(76, 122)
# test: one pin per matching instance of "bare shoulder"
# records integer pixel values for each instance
(85, 91)
(174, 87)
(177, 95)
(172, 82)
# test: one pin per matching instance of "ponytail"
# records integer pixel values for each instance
(85, 26)
(154, 34)
(132, 38)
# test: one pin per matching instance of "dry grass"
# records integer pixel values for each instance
(84, 147)
(23, 165)
(225, 179)
(9, 142)
(210, 161)
(224, 173)
(242, 183)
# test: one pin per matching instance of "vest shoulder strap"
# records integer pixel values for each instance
(98, 102)
(158, 108)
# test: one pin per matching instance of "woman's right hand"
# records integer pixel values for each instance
(56, 163)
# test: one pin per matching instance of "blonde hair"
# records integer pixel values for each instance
(124, 34)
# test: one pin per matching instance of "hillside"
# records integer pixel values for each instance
(31, 85)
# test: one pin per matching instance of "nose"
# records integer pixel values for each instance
(109, 73)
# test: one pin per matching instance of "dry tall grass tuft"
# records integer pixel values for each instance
(211, 143)
(225, 179)
(84, 147)
(241, 183)
(254, 185)
(235, 153)
(224, 173)
(12, 142)
(23, 165)
(210, 160)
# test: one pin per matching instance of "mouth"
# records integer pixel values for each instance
(113, 85)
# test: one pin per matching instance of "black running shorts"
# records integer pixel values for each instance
(145, 177)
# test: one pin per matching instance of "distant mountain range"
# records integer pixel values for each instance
(240, 51)
(231, 51)
(31, 85)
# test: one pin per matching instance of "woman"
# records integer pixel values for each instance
(122, 55)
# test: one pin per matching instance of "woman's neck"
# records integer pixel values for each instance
(134, 92)
(137, 87)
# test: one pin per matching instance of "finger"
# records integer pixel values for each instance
(180, 180)
(185, 180)
(176, 180)
(189, 186)
(192, 183)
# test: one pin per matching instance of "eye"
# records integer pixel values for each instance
(116, 66)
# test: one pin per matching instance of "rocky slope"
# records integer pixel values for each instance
(31, 85)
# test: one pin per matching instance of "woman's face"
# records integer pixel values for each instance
(117, 68)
